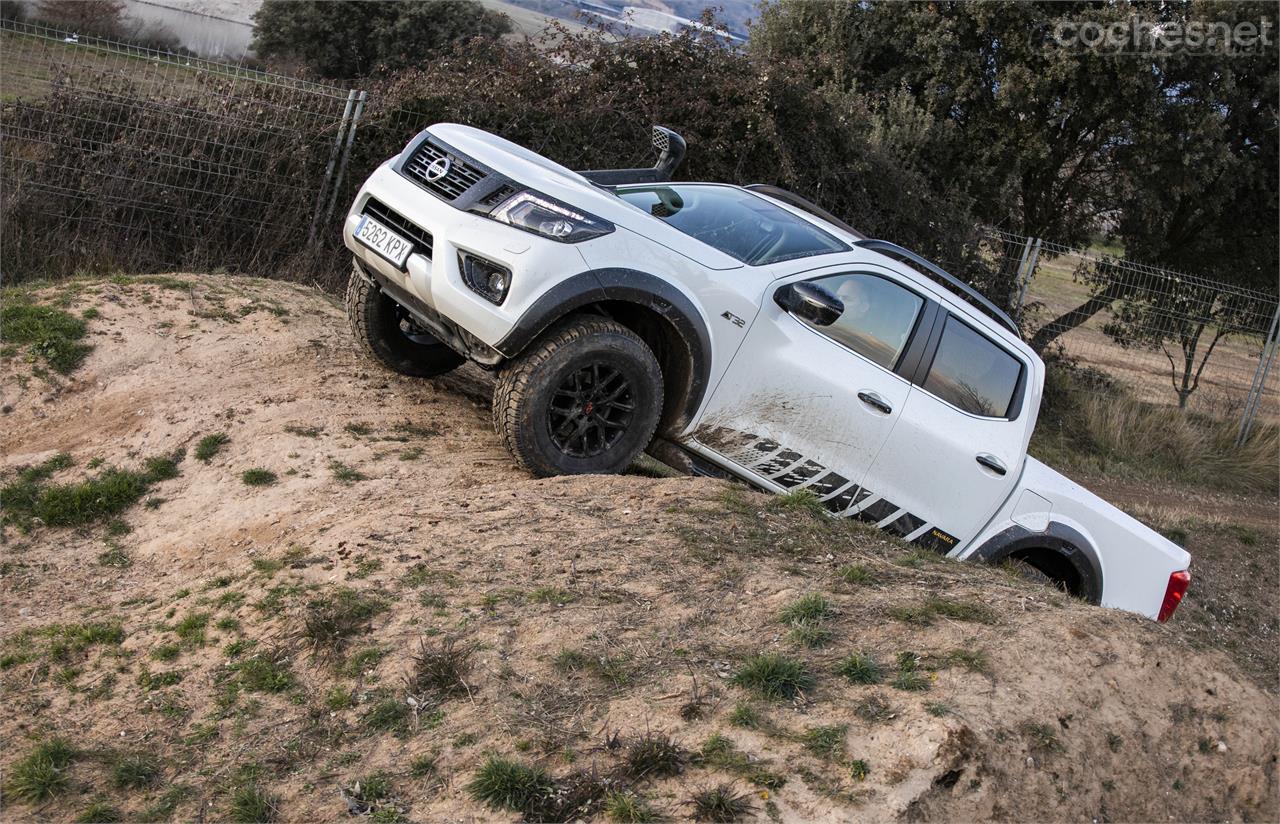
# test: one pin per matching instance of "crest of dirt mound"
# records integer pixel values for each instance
(326, 589)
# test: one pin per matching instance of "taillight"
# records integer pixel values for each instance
(1178, 583)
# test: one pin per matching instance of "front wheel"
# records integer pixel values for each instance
(385, 332)
(584, 399)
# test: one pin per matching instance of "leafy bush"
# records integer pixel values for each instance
(348, 38)
(745, 120)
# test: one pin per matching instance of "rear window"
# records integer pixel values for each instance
(973, 373)
(743, 226)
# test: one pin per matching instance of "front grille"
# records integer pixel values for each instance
(397, 223)
(460, 177)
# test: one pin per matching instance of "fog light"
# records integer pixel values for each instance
(484, 277)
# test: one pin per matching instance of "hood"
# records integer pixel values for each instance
(537, 172)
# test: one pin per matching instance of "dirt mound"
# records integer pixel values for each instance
(352, 602)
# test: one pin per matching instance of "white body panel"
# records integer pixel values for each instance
(1136, 562)
(780, 408)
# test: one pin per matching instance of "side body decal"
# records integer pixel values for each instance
(792, 470)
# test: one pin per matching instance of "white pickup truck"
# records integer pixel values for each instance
(736, 331)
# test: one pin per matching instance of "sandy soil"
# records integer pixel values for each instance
(1070, 713)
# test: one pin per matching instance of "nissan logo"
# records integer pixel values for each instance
(438, 169)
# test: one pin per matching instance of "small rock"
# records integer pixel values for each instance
(1222, 746)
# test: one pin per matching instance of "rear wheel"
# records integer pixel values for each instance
(584, 399)
(387, 333)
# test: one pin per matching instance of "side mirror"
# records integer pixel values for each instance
(810, 302)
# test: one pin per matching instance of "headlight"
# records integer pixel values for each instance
(546, 216)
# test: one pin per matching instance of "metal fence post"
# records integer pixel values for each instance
(1017, 275)
(1026, 278)
(1254, 400)
(346, 154)
(328, 169)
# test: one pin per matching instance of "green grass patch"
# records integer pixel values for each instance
(800, 500)
(66, 641)
(49, 334)
(614, 669)
(191, 629)
(859, 574)
(210, 445)
(42, 773)
(911, 681)
(134, 770)
(165, 652)
(163, 808)
(29, 498)
(810, 634)
(345, 474)
(552, 596)
(860, 668)
(263, 672)
(358, 663)
(720, 753)
(745, 716)
(923, 614)
(808, 608)
(628, 808)
(258, 477)
(251, 804)
(99, 812)
(503, 784)
(825, 741)
(388, 713)
(773, 676)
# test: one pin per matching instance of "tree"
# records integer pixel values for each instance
(1182, 316)
(352, 38)
(1034, 127)
(1196, 184)
(96, 18)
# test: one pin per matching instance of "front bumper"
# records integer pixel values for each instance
(535, 263)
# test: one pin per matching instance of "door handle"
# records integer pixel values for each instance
(991, 462)
(876, 402)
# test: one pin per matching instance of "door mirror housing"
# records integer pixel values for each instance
(810, 302)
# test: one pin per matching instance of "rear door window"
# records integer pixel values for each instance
(973, 373)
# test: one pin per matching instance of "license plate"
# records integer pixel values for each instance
(383, 241)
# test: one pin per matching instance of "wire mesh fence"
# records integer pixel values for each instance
(1169, 337)
(176, 156)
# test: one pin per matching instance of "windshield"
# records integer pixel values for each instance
(746, 227)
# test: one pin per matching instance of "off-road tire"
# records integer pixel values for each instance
(375, 322)
(522, 402)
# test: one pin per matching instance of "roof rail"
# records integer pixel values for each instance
(793, 199)
(893, 250)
